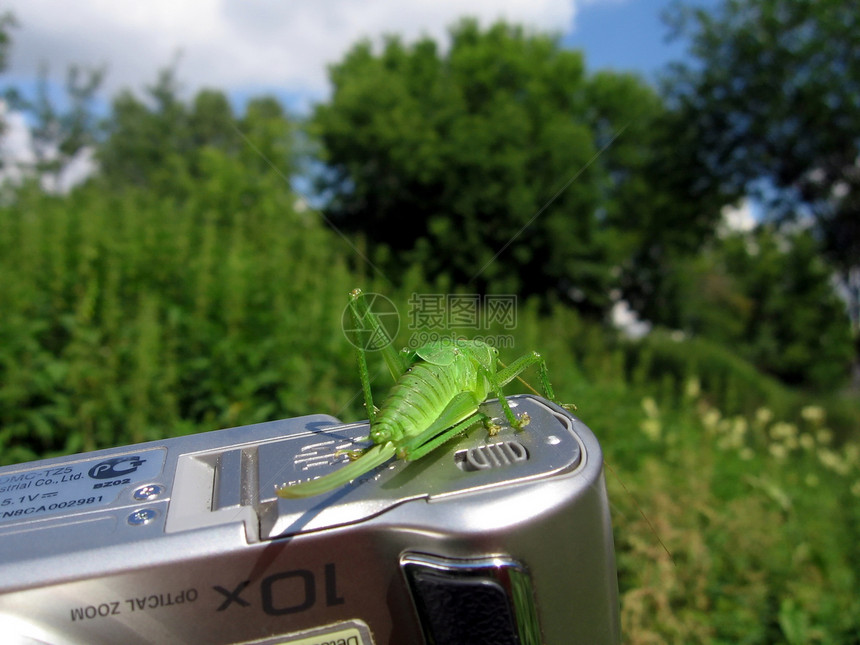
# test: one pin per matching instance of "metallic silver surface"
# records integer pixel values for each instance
(67, 486)
(222, 560)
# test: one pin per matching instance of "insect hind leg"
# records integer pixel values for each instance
(451, 432)
(460, 413)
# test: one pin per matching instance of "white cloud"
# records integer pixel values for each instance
(739, 217)
(251, 46)
(16, 144)
(16, 147)
(19, 158)
(77, 170)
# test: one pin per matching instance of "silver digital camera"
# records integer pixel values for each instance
(502, 540)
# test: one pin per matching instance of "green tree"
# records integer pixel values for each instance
(672, 214)
(773, 99)
(167, 145)
(60, 134)
(498, 163)
(770, 296)
(150, 142)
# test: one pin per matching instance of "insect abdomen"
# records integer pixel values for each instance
(420, 395)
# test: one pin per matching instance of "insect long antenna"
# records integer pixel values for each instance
(641, 512)
(528, 385)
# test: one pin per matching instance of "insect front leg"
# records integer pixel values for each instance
(361, 325)
(512, 371)
(491, 426)
(374, 332)
(496, 386)
(370, 331)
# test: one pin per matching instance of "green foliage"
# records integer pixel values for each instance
(165, 145)
(753, 292)
(57, 134)
(760, 516)
(772, 100)
(499, 163)
(802, 345)
(663, 363)
(128, 316)
(731, 383)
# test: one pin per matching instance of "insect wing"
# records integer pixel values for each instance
(438, 353)
(482, 353)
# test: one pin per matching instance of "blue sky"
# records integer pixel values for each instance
(626, 36)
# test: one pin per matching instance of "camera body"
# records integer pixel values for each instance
(504, 539)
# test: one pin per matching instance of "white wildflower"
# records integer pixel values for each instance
(813, 414)
(778, 451)
(650, 407)
(782, 430)
(831, 460)
(739, 427)
(651, 428)
(763, 416)
(711, 418)
(693, 388)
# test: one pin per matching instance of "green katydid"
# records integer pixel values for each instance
(438, 392)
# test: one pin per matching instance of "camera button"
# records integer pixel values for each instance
(472, 602)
